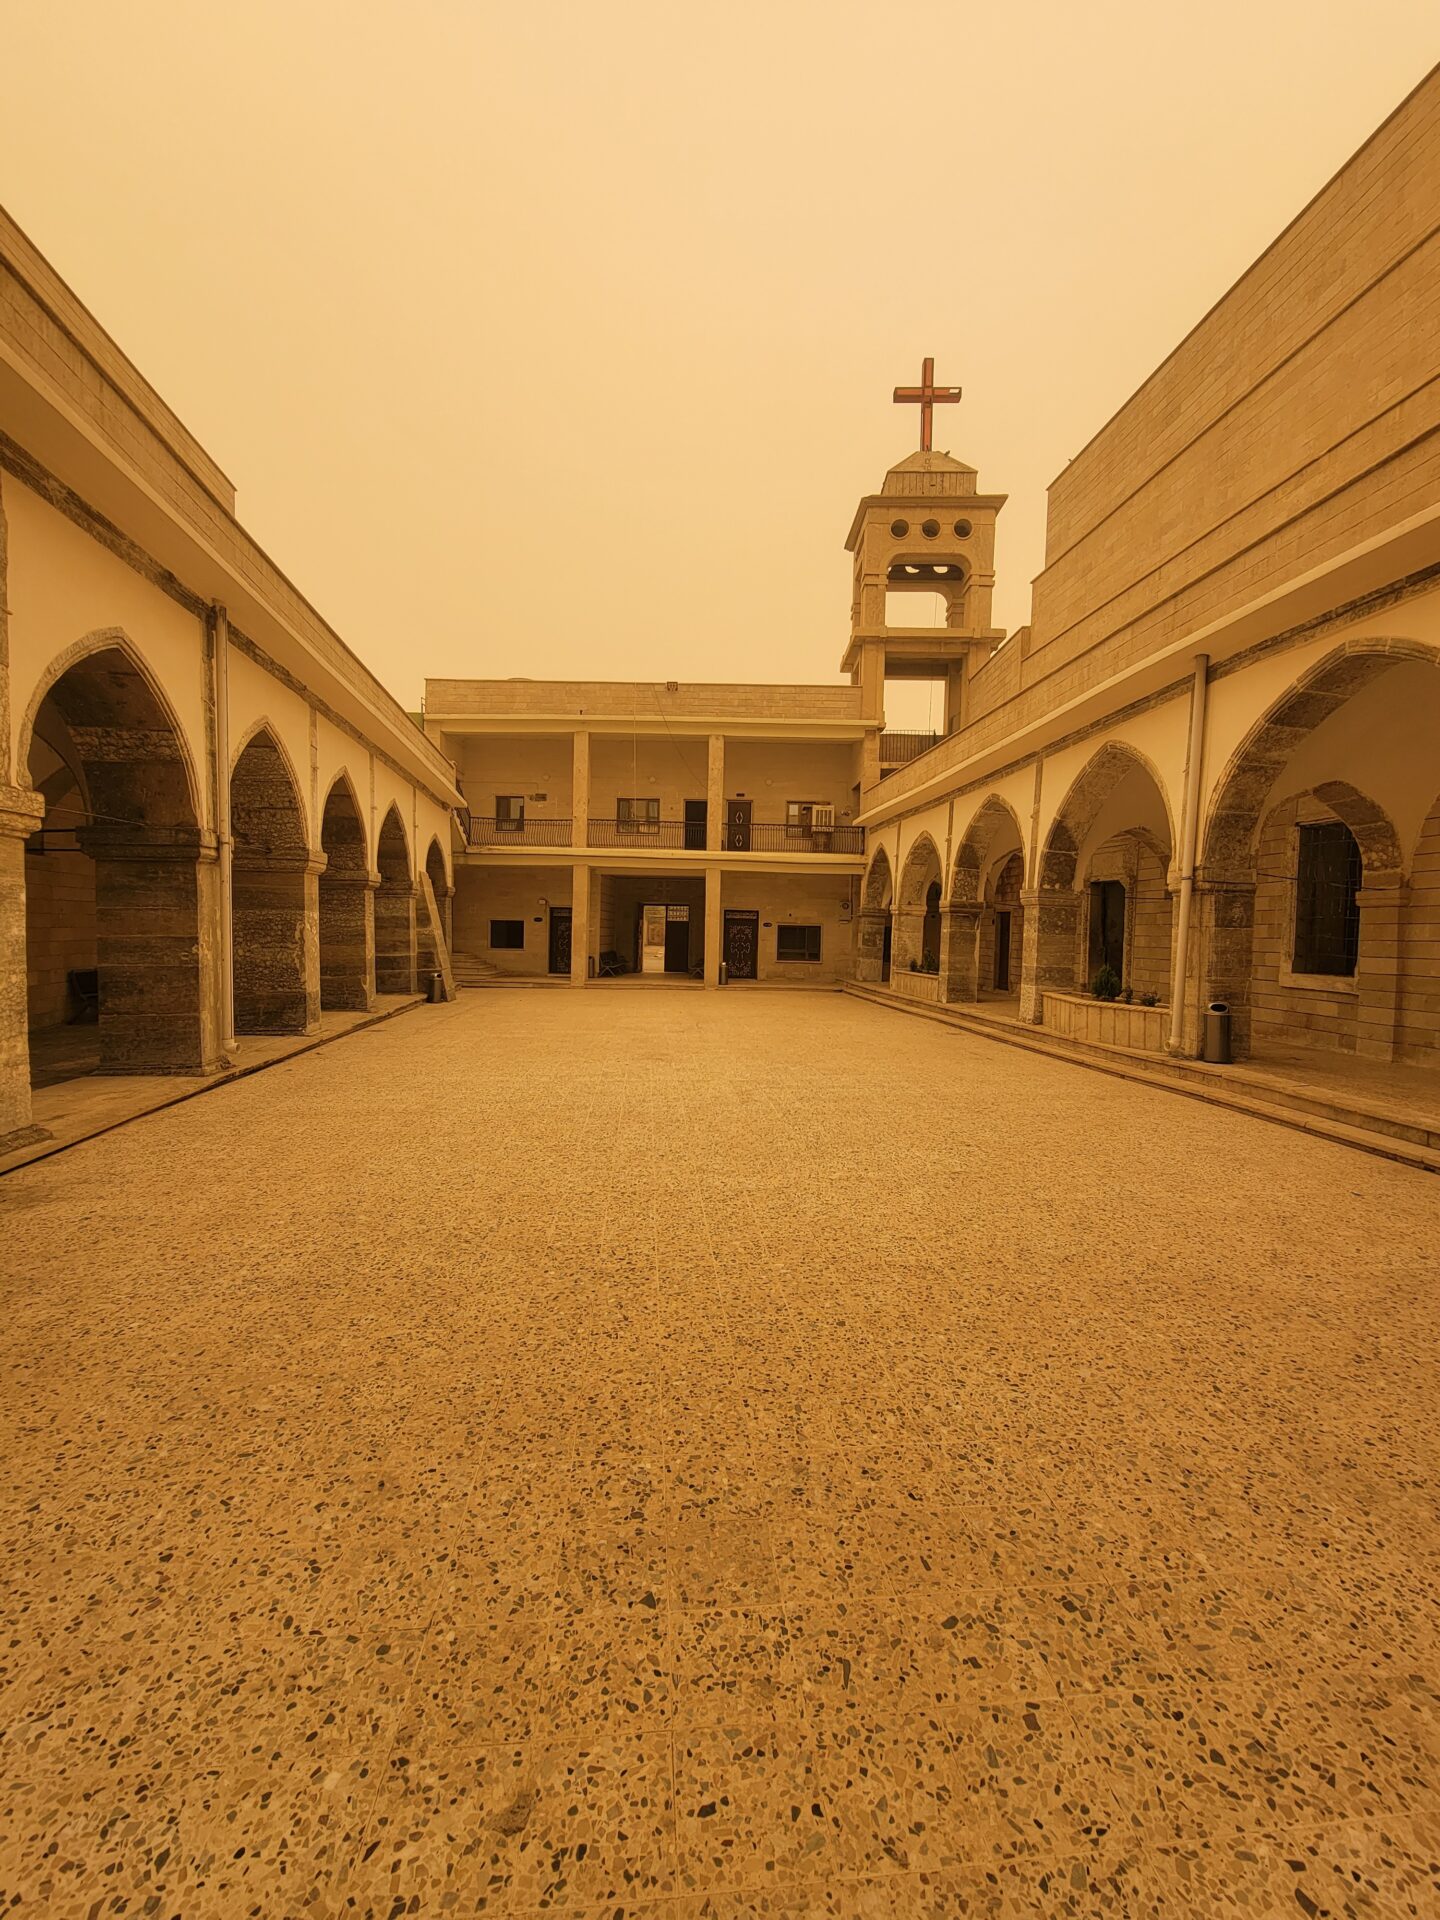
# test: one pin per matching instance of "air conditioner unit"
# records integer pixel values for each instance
(822, 819)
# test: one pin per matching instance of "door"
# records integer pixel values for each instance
(677, 940)
(737, 828)
(652, 939)
(559, 939)
(885, 950)
(742, 944)
(696, 823)
(1002, 953)
(1107, 926)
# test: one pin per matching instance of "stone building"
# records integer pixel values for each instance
(214, 821)
(1212, 760)
(1210, 764)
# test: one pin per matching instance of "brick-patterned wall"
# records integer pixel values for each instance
(1419, 1026)
(59, 929)
(647, 703)
(1315, 1016)
(483, 894)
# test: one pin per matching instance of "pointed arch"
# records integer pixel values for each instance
(879, 883)
(395, 930)
(110, 698)
(922, 866)
(342, 825)
(995, 829)
(267, 804)
(1088, 793)
(1233, 819)
(346, 902)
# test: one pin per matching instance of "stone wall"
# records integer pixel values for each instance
(60, 929)
(1419, 1026)
(1324, 1014)
(797, 900)
(483, 894)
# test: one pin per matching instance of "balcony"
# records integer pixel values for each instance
(647, 833)
(489, 832)
(899, 749)
(773, 837)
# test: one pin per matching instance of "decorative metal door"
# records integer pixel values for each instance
(742, 941)
(560, 939)
(737, 825)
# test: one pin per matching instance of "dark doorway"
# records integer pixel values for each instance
(677, 940)
(1107, 926)
(560, 939)
(737, 825)
(696, 825)
(742, 944)
(885, 951)
(1002, 953)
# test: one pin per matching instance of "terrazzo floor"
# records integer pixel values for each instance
(715, 1455)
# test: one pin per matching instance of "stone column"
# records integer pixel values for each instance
(715, 796)
(908, 939)
(1218, 965)
(870, 944)
(579, 795)
(579, 926)
(157, 918)
(21, 813)
(960, 952)
(276, 920)
(395, 938)
(347, 939)
(1047, 951)
(713, 922)
(1382, 901)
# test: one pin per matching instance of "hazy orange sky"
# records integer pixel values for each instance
(559, 340)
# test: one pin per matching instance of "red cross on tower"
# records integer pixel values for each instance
(928, 396)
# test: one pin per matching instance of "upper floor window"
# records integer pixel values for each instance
(800, 815)
(1327, 914)
(509, 811)
(641, 811)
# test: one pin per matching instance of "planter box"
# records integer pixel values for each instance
(1108, 1023)
(916, 986)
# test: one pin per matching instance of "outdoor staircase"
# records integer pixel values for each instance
(473, 972)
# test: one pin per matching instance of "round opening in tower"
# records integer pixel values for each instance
(899, 529)
(962, 529)
(929, 528)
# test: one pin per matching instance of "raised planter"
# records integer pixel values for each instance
(916, 986)
(1109, 1023)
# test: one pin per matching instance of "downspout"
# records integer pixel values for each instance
(1189, 836)
(220, 632)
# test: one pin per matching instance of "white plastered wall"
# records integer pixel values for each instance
(256, 696)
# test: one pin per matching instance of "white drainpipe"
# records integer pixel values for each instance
(221, 628)
(1189, 838)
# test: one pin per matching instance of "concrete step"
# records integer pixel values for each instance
(1354, 1124)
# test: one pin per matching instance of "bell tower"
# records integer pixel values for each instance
(930, 530)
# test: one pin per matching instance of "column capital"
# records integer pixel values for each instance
(21, 812)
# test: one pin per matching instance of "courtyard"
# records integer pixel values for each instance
(681, 1455)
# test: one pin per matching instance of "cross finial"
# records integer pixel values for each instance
(928, 396)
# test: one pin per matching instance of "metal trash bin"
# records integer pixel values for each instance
(724, 974)
(1217, 1034)
(437, 989)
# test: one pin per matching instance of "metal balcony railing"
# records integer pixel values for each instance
(490, 832)
(641, 833)
(775, 837)
(898, 748)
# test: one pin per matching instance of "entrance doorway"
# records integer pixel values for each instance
(560, 939)
(664, 939)
(1107, 926)
(697, 822)
(1002, 953)
(742, 944)
(737, 825)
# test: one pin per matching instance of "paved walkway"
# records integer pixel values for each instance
(707, 1455)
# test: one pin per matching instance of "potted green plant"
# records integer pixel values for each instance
(1106, 984)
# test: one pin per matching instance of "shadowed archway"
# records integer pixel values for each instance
(275, 902)
(347, 905)
(395, 939)
(140, 911)
(872, 943)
